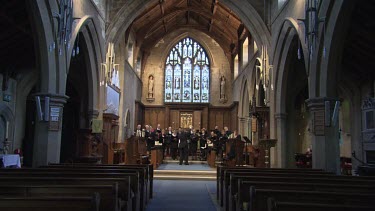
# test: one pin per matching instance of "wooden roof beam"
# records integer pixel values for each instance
(213, 11)
(161, 3)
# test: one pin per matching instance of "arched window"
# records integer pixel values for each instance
(187, 73)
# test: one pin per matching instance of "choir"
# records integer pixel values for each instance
(182, 143)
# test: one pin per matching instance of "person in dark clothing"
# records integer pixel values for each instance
(150, 139)
(168, 141)
(203, 143)
(182, 138)
(174, 145)
(227, 131)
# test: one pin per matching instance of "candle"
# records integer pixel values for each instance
(7, 130)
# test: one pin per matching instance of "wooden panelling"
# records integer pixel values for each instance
(197, 119)
(204, 116)
(155, 116)
(220, 119)
(174, 119)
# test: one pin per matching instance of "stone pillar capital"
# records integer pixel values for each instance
(55, 99)
(281, 116)
(318, 102)
(93, 114)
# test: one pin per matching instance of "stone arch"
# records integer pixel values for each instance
(326, 71)
(182, 36)
(44, 40)
(244, 99)
(90, 33)
(24, 87)
(349, 91)
(8, 116)
(282, 61)
(252, 20)
(287, 32)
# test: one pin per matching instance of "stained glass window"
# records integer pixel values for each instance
(187, 73)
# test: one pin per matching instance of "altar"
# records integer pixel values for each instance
(10, 160)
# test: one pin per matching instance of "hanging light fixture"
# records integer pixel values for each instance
(64, 25)
(311, 23)
(109, 69)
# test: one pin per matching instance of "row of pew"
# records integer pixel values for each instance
(280, 189)
(76, 187)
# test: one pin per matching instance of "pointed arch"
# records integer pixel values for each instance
(7, 115)
(94, 48)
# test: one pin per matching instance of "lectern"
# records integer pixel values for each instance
(266, 144)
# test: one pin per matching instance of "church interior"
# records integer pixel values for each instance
(269, 104)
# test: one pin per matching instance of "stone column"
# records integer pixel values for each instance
(242, 125)
(47, 138)
(281, 145)
(325, 139)
(248, 124)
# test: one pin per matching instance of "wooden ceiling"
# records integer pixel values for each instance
(16, 40)
(359, 52)
(210, 17)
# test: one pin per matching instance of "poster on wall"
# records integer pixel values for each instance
(113, 100)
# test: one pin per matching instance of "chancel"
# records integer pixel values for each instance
(187, 105)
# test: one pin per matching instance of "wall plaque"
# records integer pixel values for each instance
(54, 120)
(319, 123)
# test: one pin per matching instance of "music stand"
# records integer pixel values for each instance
(247, 140)
(247, 156)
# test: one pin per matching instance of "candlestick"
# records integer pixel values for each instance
(7, 130)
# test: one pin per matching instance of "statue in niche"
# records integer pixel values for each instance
(222, 87)
(151, 86)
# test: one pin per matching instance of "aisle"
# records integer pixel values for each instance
(183, 195)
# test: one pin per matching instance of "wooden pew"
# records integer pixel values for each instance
(223, 175)
(258, 197)
(134, 176)
(221, 169)
(229, 188)
(109, 199)
(143, 176)
(125, 192)
(230, 181)
(245, 186)
(51, 203)
(149, 170)
(274, 205)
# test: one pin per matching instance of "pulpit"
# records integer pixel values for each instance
(135, 149)
(211, 157)
(88, 147)
(156, 156)
(266, 144)
(110, 136)
(119, 153)
(234, 151)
